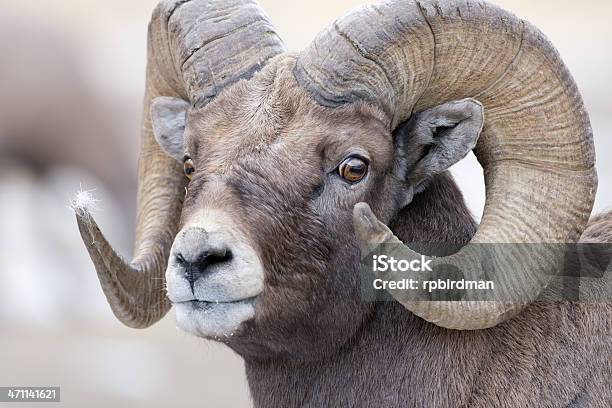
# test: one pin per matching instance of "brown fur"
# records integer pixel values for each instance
(265, 152)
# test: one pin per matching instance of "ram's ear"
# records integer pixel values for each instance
(435, 139)
(168, 117)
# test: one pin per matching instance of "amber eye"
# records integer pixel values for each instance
(353, 169)
(188, 168)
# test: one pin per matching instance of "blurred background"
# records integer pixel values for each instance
(71, 83)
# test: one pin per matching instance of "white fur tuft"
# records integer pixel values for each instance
(83, 203)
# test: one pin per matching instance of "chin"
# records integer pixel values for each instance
(212, 320)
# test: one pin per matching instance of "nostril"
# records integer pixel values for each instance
(212, 257)
(180, 259)
(193, 270)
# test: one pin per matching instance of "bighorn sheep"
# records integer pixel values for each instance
(260, 252)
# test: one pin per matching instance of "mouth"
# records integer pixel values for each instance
(203, 305)
(214, 320)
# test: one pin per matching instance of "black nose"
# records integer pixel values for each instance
(204, 253)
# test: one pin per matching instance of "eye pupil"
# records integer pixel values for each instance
(353, 169)
(188, 168)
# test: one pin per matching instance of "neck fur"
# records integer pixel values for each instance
(361, 369)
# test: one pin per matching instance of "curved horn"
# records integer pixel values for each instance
(536, 147)
(195, 49)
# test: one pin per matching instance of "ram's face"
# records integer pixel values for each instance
(266, 233)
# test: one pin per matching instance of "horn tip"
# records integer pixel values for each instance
(361, 208)
(83, 203)
(369, 230)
